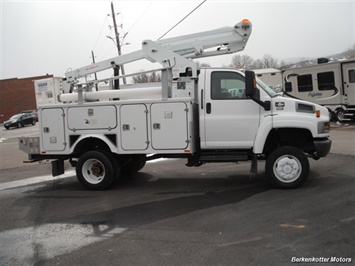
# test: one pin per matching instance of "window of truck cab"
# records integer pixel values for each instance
(227, 85)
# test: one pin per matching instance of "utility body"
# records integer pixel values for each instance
(331, 84)
(204, 115)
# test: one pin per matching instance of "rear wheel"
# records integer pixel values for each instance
(96, 170)
(33, 122)
(340, 114)
(287, 167)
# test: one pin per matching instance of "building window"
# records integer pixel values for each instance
(304, 83)
(326, 81)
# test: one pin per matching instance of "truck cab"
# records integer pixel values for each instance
(241, 123)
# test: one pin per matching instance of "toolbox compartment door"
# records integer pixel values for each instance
(169, 126)
(133, 123)
(92, 118)
(52, 129)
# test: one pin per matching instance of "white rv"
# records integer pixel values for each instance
(331, 84)
(271, 77)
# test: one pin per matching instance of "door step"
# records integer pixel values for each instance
(225, 156)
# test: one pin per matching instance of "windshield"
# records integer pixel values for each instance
(15, 117)
(266, 88)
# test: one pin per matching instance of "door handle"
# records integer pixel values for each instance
(208, 108)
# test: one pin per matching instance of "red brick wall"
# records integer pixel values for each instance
(17, 95)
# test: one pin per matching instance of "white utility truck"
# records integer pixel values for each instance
(204, 115)
(331, 84)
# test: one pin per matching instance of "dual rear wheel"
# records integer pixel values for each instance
(98, 169)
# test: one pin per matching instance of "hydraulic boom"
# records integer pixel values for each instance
(174, 53)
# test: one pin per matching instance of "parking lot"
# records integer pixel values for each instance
(169, 214)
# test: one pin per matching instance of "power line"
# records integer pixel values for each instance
(140, 17)
(98, 37)
(105, 40)
(182, 19)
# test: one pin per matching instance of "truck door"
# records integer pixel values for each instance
(349, 81)
(228, 119)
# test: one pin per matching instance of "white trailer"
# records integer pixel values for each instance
(331, 84)
(271, 77)
(205, 116)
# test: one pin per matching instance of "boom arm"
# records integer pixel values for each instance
(175, 52)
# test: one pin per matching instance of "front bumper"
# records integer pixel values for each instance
(9, 124)
(322, 146)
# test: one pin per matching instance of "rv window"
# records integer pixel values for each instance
(326, 81)
(304, 83)
(352, 76)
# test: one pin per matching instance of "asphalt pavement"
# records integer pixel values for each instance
(169, 214)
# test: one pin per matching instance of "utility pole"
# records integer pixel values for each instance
(117, 40)
(93, 60)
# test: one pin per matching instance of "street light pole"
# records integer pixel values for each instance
(117, 40)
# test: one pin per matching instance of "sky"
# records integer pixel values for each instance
(51, 37)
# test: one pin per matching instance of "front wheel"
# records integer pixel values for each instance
(287, 167)
(96, 170)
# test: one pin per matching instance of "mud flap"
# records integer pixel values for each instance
(254, 167)
(57, 167)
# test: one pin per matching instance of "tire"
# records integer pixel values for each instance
(19, 125)
(33, 122)
(287, 167)
(332, 116)
(6, 128)
(339, 115)
(96, 170)
(136, 163)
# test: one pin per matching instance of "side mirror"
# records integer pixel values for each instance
(253, 92)
(250, 84)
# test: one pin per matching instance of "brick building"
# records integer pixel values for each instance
(17, 95)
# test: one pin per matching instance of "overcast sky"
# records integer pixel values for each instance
(40, 37)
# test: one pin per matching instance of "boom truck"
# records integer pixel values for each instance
(205, 115)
